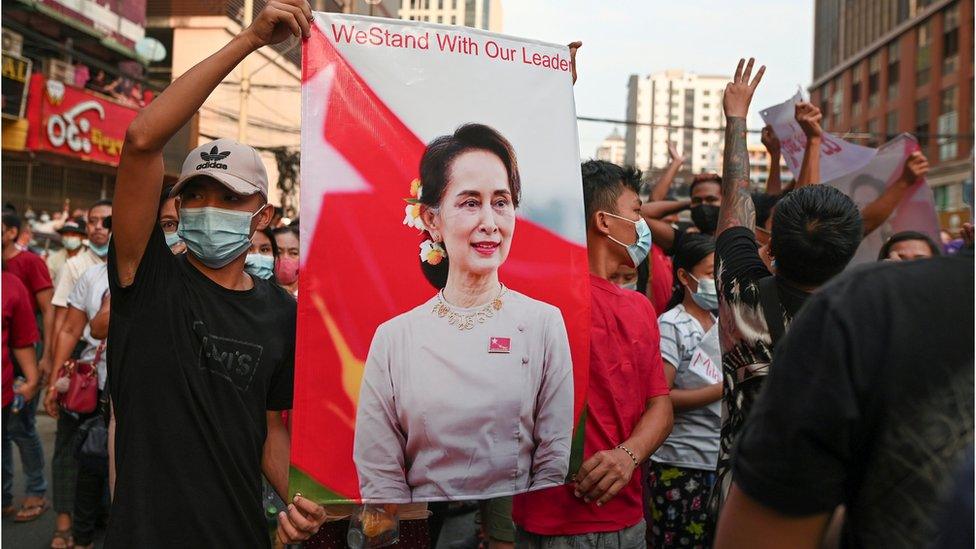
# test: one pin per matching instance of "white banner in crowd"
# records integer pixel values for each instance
(706, 363)
(862, 173)
(837, 157)
(916, 212)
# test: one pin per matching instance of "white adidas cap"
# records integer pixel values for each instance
(234, 164)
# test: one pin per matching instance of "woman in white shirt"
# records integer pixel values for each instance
(469, 395)
(682, 470)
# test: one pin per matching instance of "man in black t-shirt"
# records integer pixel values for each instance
(869, 405)
(816, 230)
(202, 354)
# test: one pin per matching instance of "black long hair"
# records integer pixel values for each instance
(691, 250)
(435, 170)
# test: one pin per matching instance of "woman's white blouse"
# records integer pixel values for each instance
(440, 417)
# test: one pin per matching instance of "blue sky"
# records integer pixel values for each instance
(621, 37)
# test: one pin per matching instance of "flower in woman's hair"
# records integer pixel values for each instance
(416, 189)
(431, 252)
(411, 217)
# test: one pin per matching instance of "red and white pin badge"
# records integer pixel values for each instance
(500, 345)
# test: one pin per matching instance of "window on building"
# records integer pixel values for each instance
(856, 98)
(950, 40)
(874, 129)
(922, 121)
(707, 92)
(948, 124)
(894, 71)
(941, 196)
(923, 56)
(469, 13)
(874, 80)
(891, 125)
(706, 118)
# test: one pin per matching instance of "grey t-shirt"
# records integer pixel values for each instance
(694, 440)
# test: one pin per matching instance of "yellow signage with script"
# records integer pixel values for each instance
(16, 73)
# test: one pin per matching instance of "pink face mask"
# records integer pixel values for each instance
(286, 270)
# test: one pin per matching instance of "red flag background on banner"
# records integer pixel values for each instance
(361, 265)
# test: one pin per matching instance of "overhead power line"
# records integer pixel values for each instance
(852, 134)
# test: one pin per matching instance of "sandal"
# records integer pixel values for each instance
(62, 540)
(27, 513)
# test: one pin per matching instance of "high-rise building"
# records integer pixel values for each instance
(374, 8)
(884, 67)
(759, 165)
(613, 148)
(479, 14)
(675, 102)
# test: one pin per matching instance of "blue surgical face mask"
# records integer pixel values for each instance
(259, 265)
(707, 296)
(638, 250)
(632, 285)
(100, 251)
(216, 236)
(172, 239)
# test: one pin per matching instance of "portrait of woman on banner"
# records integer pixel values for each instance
(469, 395)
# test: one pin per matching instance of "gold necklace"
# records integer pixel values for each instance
(467, 321)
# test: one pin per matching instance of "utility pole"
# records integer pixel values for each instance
(245, 78)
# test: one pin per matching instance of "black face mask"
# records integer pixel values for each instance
(705, 217)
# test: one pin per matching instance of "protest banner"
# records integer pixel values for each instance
(837, 157)
(706, 364)
(399, 395)
(916, 211)
(862, 173)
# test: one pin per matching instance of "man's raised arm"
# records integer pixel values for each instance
(140, 172)
(737, 208)
(808, 116)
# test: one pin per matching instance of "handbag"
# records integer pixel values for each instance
(82, 394)
(91, 442)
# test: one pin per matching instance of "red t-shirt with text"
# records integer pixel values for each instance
(625, 371)
(19, 327)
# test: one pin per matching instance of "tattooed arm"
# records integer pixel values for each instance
(737, 208)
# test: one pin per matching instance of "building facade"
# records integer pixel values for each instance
(479, 14)
(883, 67)
(191, 31)
(679, 107)
(72, 83)
(759, 165)
(613, 149)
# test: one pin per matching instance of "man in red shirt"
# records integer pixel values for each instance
(628, 405)
(19, 336)
(33, 273)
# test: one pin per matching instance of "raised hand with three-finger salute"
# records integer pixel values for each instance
(738, 92)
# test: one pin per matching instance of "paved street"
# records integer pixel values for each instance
(36, 534)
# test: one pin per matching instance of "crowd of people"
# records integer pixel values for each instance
(749, 388)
